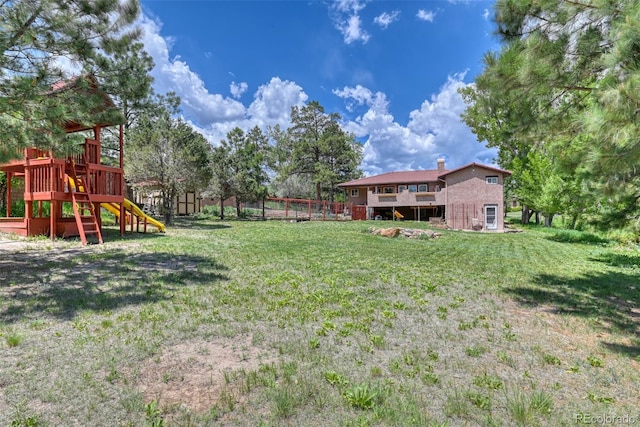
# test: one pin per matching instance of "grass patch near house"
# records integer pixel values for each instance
(312, 323)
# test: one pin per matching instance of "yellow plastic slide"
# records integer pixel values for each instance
(131, 207)
(128, 205)
(398, 215)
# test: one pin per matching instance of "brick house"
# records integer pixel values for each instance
(470, 197)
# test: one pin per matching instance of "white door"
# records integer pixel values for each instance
(491, 217)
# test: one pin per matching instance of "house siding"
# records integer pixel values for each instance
(467, 195)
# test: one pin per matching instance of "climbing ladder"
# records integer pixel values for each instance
(83, 207)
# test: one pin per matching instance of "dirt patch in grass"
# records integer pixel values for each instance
(192, 373)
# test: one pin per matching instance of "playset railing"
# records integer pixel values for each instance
(49, 177)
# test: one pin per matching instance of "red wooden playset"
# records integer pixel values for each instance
(81, 180)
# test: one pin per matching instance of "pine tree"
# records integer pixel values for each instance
(40, 41)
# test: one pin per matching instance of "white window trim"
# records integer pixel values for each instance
(355, 192)
(493, 179)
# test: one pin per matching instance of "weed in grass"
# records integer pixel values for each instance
(336, 379)
(519, 409)
(152, 415)
(28, 421)
(541, 402)
(600, 399)
(595, 361)
(475, 351)
(480, 400)
(360, 396)
(442, 312)
(314, 343)
(464, 326)
(508, 333)
(377, 340)
(456, 405)
(106, 323)
(13, 340)
(430, 378)
(550, 359)
(38, 325)
(505, 358)
(492, 382)
(432, 355)
(283, 402)
(227, 400)
(375, 371)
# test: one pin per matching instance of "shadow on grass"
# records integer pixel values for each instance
(619, 259)
(61, 283)
(574, 236)
(610, 298)
(199, 224)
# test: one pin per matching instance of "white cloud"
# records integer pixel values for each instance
(173, 74)
(237, 89)
(214, 115)
(433, 130)
(346, 18)
(485, 14)
(273, 102)
(426, 15)
(386, 19)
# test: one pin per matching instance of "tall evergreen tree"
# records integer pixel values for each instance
(38, 41)
(317, 147)
(239, 167)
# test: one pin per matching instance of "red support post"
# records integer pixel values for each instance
(9, 176)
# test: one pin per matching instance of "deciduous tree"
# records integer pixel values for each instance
(165, 153)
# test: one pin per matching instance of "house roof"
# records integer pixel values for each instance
(85, 84)
(479, 165)
(414, 177)
(404, 177)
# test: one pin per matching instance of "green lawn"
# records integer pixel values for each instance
(312, 323)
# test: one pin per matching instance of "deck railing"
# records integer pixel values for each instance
(43, 178)
(50, 178)
(105, 180)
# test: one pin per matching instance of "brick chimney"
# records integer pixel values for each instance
(440, 165)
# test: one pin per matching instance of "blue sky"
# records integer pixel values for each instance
(390, 68)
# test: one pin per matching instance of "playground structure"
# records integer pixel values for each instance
(81, 180)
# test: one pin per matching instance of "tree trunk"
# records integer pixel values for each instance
(222, 208)
(167, 204)
(237, 207)
(574, 221)
(526, 215)
(537, 218)
(318, 191)
(548, 219)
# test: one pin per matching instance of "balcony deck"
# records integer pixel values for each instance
(405, 198)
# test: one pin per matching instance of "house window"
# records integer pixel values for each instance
(389, 190)
(355, 192)
(401, 188)
(413, 188)
(491, 179)
(423, 188)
